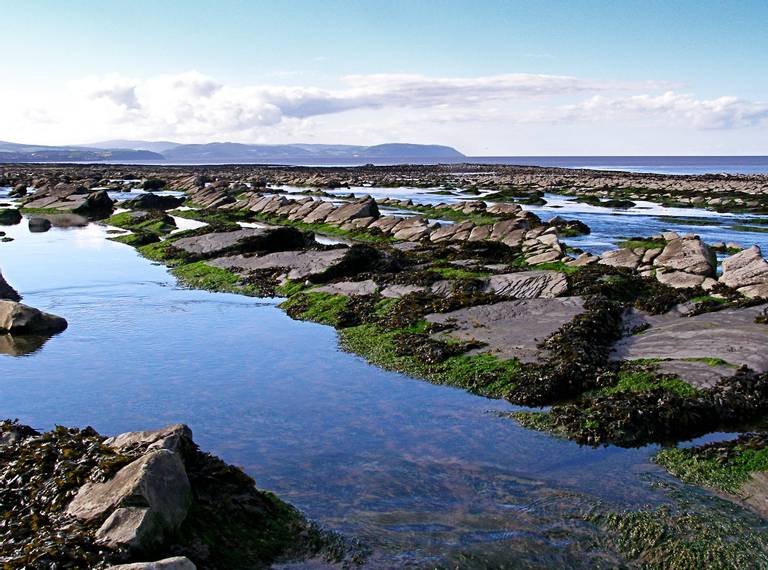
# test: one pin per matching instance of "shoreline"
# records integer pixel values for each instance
(414, 337)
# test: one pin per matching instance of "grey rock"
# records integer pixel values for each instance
(165, 438)
(510, 329)
(39, 225)
(395, 291)
(7, 292)
(689, 256)
(620, 258)
(348, 288)
(366, 208)
(528, 284)
(299, 265)
(246, 240)
(747, 271)
(175, 563)
(151, 496)
(679, 279)
(19, 319)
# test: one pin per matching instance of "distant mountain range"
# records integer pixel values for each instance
(218, 153)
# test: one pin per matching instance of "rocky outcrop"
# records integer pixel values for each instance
(147, 500)
(18, 319)
(175, 563)
(9, 216)
(687, 255)
(528, 285)
(747, 272)
(510, 329)
(150, 201)
(7, 292)
(71, 198)
(245, 240)
(39, 225)
(364, 208)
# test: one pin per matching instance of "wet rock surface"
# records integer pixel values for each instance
(81, 500)
(246, 240)
(19, 319)
(7, 292)
(510, 329)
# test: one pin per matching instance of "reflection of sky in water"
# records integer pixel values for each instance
(403, 463)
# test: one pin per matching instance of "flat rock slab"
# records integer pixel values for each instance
(348, 288)
(528, 284)
(298, 264)
(698, 374)
(175, 563)
(731, 335)
(246, 240)
(510, 329)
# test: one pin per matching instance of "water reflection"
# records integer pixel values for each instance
(21, 345)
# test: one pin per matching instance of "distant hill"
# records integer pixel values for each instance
(15, 152)
(236, 152)
(166, 151)
(154, 146)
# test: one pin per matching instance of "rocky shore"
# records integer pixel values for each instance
(657, 341)
(140, 500)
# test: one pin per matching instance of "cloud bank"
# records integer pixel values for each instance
(192, 107)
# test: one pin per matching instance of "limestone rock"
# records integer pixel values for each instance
(689, 256)
(361, 209)
(150, 201)
(39, 225)
(165, 438)
(175, 563)
(349, 288)
(528, 285)
(747, 272)
(19, 319)
(151, 496)
(620, 258)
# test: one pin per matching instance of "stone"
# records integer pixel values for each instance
(679, 279)
(396, 291)
(689, 256)
(7, 292)
(165, 438)
(349, 288)
(39, 225)
(546, 257)
(729, 334)
(509, 329)
(246, 240)
(385, 223)
(9, 217)
(298, 265)
(19, 319)
(175, 563)
(319, 213)
(582, 260)
(620, 258)
(150, 201)
(504, 209)
(443, 233)
(480, 233)
(151, 497)
(96, 203)
(747, 272)
(366, 208)
(528, 284)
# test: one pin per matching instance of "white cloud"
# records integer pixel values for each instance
(192, 107)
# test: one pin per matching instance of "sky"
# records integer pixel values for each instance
(490, 78)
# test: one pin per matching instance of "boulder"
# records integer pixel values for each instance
(689, 255)
(246, 240)
(19, 191)
(39, 225)
(19, 319)
(528, 285)
(7, 292)
(319, 213)
(9, 216)
(168, 437)
(747, 272)
(680, 279)
(150, 497)
(95, 204)
(621, 258)
(150, 201)
(175, 563)
(365, 208)
(349, 288)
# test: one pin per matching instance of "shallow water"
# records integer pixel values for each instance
(417, 471)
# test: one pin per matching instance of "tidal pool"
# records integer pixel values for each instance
(420, 473)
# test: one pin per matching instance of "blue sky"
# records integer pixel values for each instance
(547, 77)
